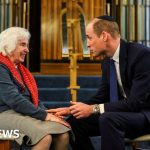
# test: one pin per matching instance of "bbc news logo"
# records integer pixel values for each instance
(9, 134)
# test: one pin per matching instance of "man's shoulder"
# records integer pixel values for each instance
(135, 50)
(138, 47)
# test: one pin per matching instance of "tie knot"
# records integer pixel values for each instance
(112, 64)
(112, 61)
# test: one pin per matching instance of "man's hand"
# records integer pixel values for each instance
(80, 110)
(51, 117)
(61, 112)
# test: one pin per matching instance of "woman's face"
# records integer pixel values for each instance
(18, 55)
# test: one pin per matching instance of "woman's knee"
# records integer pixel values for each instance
(44, 143)
(47, 139)
(64, 136)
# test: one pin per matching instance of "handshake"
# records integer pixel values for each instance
(77, 109)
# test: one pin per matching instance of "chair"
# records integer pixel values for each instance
(134, 142)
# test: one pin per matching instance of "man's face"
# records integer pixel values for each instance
(18, 55)
(95, 44)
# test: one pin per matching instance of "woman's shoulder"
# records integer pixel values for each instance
(3, 68)
(4, 71)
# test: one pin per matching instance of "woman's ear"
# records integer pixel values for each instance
(5, 47)
(6, 50)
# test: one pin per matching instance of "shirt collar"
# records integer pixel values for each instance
(116, 55)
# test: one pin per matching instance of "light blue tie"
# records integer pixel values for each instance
(113, 82)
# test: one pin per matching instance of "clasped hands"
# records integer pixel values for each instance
(77, 109)
(55, 118)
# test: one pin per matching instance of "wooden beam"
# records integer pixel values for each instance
(63, 68)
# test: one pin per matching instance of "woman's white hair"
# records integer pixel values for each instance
(10, 37)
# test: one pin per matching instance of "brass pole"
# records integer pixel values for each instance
(71, 48)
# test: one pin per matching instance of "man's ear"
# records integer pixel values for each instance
(105, 36)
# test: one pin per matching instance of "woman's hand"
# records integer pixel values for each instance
(60, 112)
(51, 117)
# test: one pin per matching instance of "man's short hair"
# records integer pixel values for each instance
(108, 24)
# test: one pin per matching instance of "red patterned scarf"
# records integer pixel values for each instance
(27, 78)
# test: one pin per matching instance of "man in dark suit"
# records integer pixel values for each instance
(128, 115)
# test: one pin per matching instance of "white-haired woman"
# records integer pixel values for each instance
(20, 108)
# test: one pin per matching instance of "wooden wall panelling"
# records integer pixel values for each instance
(49, 28)
(44, 8)
(85, 8)
(87, 11)
(56, 27)
(69, 25)
(77, 30)
(74, 29)
(54, 37)
(59, 50)
(51, 32)
(51, 24)
(102, 8)
(51, 43)
(75, 16)
(84, 68)
(91, 9)
(80, 40)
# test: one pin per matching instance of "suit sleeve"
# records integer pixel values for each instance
(10, 96)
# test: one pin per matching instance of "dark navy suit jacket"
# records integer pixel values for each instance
(134, 61)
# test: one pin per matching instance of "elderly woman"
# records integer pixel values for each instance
(19, 105)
